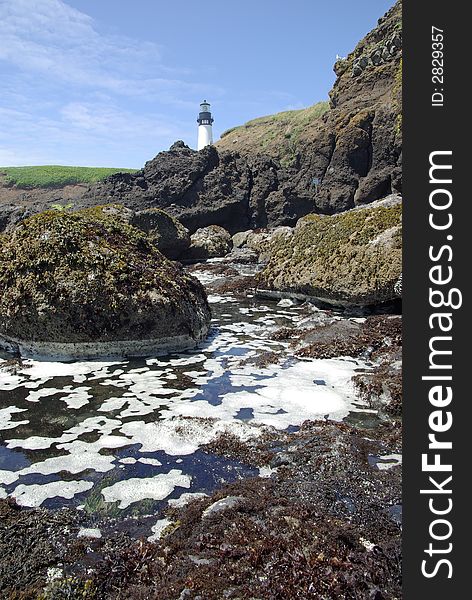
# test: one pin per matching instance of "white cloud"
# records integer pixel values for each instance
(87, 134)
(72, 94)
(51, 38)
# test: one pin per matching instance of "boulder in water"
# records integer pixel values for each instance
(209, 242)
(353, 258)
(86, 284)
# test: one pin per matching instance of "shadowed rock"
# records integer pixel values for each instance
(165, 232)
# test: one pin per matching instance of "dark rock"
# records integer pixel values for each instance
(87, 284)
(11, 214)
(365, 97)
(376, 185)
(165, 232)
(356, 70)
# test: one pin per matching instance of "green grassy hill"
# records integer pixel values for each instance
(276, 135)
(54, 176)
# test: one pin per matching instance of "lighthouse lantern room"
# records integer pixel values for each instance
(205, 130)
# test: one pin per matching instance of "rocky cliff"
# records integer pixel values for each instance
(353, 148)
(274, 170)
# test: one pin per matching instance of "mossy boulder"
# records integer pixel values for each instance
(209, 242)
(261, 240)
(353, 258)
(164, 231)
(87, 284)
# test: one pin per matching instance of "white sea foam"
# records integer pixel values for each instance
(36, 494)
(135, 489)
(150, 461)
(388, 461)
(89, 532)
(8, 477)
(180, 437)
(186, 498)
(158, 529)
(214, 373)
(6, 421)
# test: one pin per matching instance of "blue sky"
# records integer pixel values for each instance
(114, 82)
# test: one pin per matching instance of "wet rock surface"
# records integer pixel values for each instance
(353, 258)
(320, 526)
(87, 284)
(322, 519)
(32, 542)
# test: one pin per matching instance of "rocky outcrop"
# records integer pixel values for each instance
(323, 160)
(208, 188)
(353, 258)
(346, 156)
(11, 215)
(167, 233)
(259, 240)
(87, 284)
(351, 153)
(209, 242)
(355, 157)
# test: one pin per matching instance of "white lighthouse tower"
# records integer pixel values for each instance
(205, 130)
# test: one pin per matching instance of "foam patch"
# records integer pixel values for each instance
(135, 489)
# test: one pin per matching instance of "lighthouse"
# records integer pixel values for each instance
(205, 130)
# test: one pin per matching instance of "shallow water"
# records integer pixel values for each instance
(122, 438)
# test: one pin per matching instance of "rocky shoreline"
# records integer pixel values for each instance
(323, 519)
(309, 530)
(237, 433)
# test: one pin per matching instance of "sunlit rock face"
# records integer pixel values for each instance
(209, 242)
(87, 284)
(354, 258)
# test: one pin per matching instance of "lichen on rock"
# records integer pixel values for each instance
(353, 258)
(86, 284)
(209, 242)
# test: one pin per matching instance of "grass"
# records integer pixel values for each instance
(277, 135)
(291, 118)
(54, 176)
